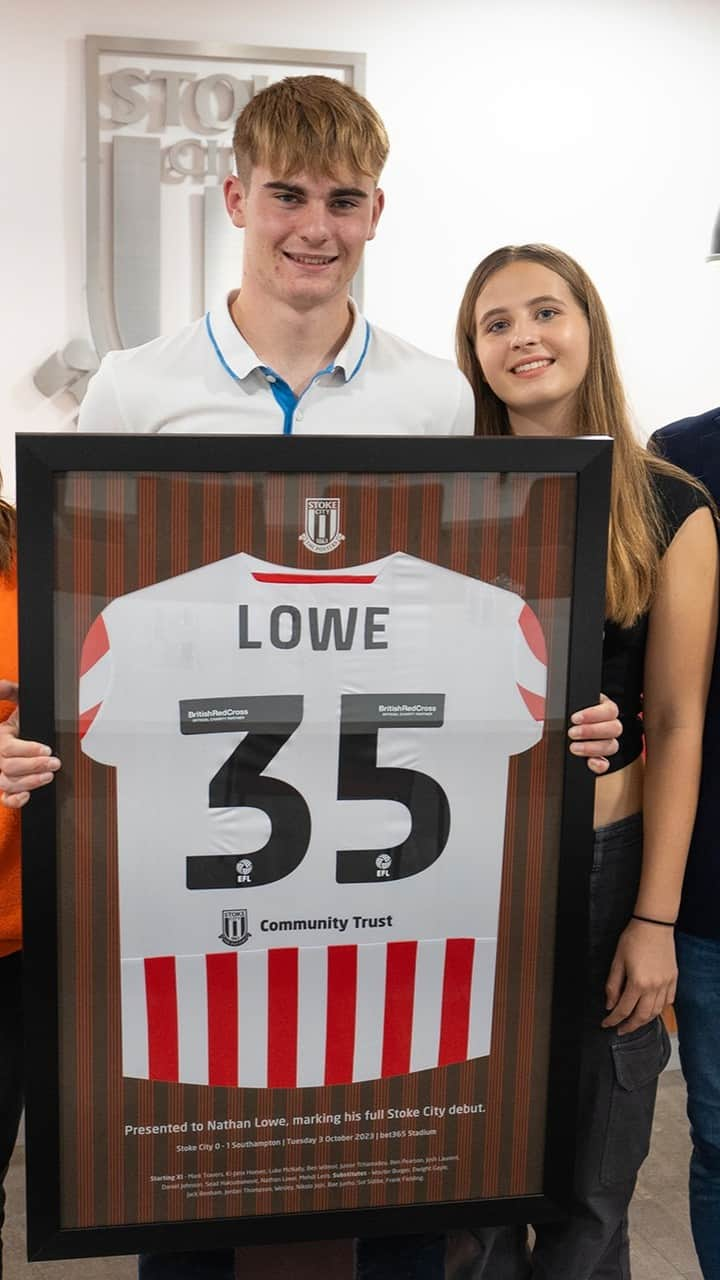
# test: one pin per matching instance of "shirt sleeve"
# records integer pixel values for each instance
(530, 660)
(463, 423)
(96, 678)
(100, 411)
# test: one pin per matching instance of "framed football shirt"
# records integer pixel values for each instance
(332, 799)
(306, 951)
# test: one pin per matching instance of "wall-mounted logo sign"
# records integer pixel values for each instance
(160, 247)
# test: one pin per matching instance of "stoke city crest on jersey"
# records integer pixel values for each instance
(234, 928)
(322, 525)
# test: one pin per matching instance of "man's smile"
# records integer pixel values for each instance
(311, 259)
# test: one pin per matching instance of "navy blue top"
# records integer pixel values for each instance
(694, 445)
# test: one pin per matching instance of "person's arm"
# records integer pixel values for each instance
(678, 661)
(100, 410)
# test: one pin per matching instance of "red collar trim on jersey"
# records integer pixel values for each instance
(315, 577)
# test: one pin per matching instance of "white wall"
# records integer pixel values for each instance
(590, 125)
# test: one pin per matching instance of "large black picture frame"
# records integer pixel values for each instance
(44, 463)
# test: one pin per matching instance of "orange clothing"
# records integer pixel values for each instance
(10, 920)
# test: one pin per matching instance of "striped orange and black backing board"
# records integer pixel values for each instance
(116, 533)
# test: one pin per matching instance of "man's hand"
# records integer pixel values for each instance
(594, 733)
(24, 766)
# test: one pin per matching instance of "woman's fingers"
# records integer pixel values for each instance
(594, 733)
(24, 765)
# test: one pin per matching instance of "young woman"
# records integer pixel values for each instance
(10, 1020)
(534, 341)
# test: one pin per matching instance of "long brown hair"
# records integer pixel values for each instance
(636, 522)
(7, 534)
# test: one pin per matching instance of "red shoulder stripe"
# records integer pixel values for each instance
(95, 645)
(86, 718)
(533, 634)
(534, 702)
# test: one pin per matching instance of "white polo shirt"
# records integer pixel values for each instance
(207, 380)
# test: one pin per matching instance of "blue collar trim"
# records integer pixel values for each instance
(363, 353)
(235, 377)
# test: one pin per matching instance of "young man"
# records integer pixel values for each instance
(694, 444)
(289, 353)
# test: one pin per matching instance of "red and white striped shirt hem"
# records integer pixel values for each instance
(296, 1017)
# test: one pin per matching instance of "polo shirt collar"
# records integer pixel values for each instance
(352, 353)
(231, 349)
(240, 360)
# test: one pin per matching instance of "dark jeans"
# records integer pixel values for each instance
(698, 1013)
(11, 1074)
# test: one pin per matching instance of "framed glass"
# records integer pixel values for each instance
(303, 923)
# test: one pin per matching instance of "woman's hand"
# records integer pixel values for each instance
(24, 766)
(594, 733)
(642, 977)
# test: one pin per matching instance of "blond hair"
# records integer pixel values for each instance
(636, 533)
(309, 124)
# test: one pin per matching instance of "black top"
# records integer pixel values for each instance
(624, 647)
(694, 444)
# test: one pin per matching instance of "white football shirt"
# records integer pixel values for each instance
(311, 789)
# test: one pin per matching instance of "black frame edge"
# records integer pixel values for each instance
(576, 831)
(41, 996)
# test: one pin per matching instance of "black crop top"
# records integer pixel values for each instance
(624, 647)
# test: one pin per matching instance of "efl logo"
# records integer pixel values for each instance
(322, 525)
(244, 868)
